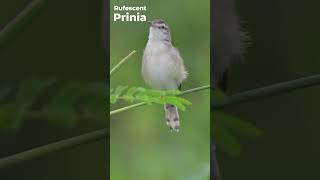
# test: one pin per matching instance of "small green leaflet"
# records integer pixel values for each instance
(148, 96)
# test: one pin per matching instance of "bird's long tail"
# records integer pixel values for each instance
(172, 117)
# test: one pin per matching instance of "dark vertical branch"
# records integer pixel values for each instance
(105, 24)
(214, 167)
(105, 34)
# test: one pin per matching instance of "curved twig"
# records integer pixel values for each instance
(114, 69)
(143, 103)
(22, 19)
(267, 91)
(54, 147)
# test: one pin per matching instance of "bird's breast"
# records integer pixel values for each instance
(159, 69)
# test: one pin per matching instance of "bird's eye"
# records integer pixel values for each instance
(162, 27)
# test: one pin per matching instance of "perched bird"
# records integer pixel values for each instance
(163, 67)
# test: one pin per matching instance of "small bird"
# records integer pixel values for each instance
(163, 67)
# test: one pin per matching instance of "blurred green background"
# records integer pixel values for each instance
(142, 146)
(284, 46)
(63, 42)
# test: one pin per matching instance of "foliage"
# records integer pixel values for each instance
(224, 126)
(149, 96)
(68, 102)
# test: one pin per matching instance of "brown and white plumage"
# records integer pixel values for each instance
(163, 67)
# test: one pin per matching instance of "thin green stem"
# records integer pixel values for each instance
(189, 91)
(143, 103)
(101, 134)
(267, 91)
(20, 21)
(124, 60)
(54, 147)
(127, 108)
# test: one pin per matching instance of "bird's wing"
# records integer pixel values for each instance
(182, 73)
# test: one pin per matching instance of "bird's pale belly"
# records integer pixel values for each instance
(161, 73)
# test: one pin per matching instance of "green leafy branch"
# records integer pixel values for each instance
(226, 130)
(201, 88)
(147, 96)
(218, 103)
(66, 103)
(224, 126)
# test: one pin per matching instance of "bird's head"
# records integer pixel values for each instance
(159, 30)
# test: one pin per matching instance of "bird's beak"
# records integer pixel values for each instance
(150, 22)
